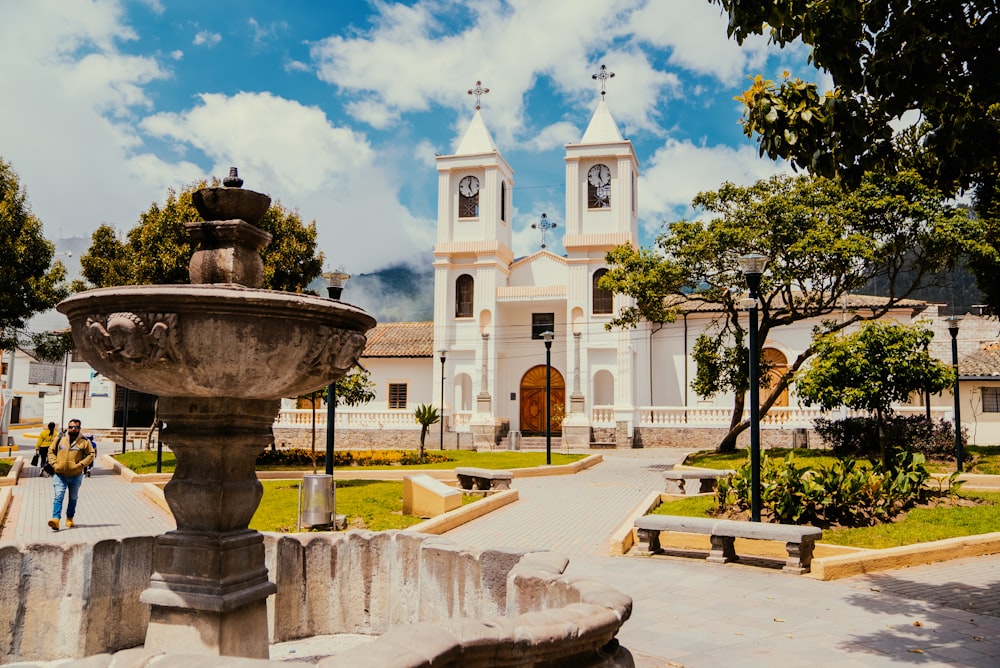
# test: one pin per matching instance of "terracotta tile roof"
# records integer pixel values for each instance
(692, 304)
(401, 339)
(984, 363)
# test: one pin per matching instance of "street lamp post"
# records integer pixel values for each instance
(953, 330)
(335, 288)
(752, 267)
(443, 353)
(547, 337)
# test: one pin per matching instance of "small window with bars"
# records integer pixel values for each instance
(79, 395)
(991, 399)
(397, 395)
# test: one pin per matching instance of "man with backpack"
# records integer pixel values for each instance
(69, 457)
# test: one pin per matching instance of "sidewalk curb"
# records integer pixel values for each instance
(454, 518)
(848, 565)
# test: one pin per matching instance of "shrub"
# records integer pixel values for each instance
(844, 493)
(858, 436)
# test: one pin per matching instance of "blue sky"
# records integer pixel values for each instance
(337, 108)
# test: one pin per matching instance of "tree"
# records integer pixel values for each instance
(872, 369)
(425, 415)
(824, 243)
(30, 282)
(934, 57)
(353, 389)
(157, 249)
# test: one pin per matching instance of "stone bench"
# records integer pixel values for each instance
(799, 540)
(483, 480)
(692, 481)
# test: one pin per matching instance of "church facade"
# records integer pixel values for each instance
(493, 313)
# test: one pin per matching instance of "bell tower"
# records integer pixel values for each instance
(602, 174)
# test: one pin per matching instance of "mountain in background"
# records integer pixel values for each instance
(399, 293)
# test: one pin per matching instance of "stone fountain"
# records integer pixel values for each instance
(219, 353)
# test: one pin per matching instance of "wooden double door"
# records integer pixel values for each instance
(533, 401)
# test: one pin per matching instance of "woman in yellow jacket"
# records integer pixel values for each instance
(45, 440)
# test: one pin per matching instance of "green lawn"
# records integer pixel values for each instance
(5, 466)
(145, 462)
(711, 459)
(919, 526)
(379, 504)
(986, 459)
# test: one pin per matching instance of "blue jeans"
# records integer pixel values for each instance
(60, 484)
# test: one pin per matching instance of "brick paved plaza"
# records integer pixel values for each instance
(686, 611)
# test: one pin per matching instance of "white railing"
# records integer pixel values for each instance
(347, 418)
(461, 421)
(778, 417)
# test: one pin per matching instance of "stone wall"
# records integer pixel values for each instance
(429, 597)
(708, 439)
(375, 439)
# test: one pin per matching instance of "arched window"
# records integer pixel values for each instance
(464, 292)
(603, 299)
(503, 202)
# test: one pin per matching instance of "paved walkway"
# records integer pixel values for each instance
(687, 612)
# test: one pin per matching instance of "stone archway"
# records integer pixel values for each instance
(533, 401)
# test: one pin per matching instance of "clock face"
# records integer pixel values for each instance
(469, 186)
(599, 176)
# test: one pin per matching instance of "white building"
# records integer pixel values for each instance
(491, 310)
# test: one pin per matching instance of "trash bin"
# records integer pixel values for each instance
(316, 500)
(800, 438)
(514, 440)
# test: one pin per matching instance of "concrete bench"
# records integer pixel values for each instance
(800, 541)
(472, 478)
(692, 481)
(423, 496)
(648, 528)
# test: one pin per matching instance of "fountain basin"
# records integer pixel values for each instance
(216, 340)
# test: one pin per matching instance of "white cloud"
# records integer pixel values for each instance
(679, 170)
(292, 152)
(67, 127)
(177, 54)
(206, 38)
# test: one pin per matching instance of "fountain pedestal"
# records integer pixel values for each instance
(209, 587)
(219, 354)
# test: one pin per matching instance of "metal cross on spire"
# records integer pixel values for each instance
(544, 225)
(603, 77)
(478, 91)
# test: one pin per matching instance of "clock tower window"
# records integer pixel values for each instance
(468, 197)
(599, 187)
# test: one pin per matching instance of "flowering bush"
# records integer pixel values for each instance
(302, 457)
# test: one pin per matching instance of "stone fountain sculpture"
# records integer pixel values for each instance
(219, 353)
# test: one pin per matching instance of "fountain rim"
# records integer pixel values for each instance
(220, 298)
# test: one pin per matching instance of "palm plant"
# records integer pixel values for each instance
(426, 415)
